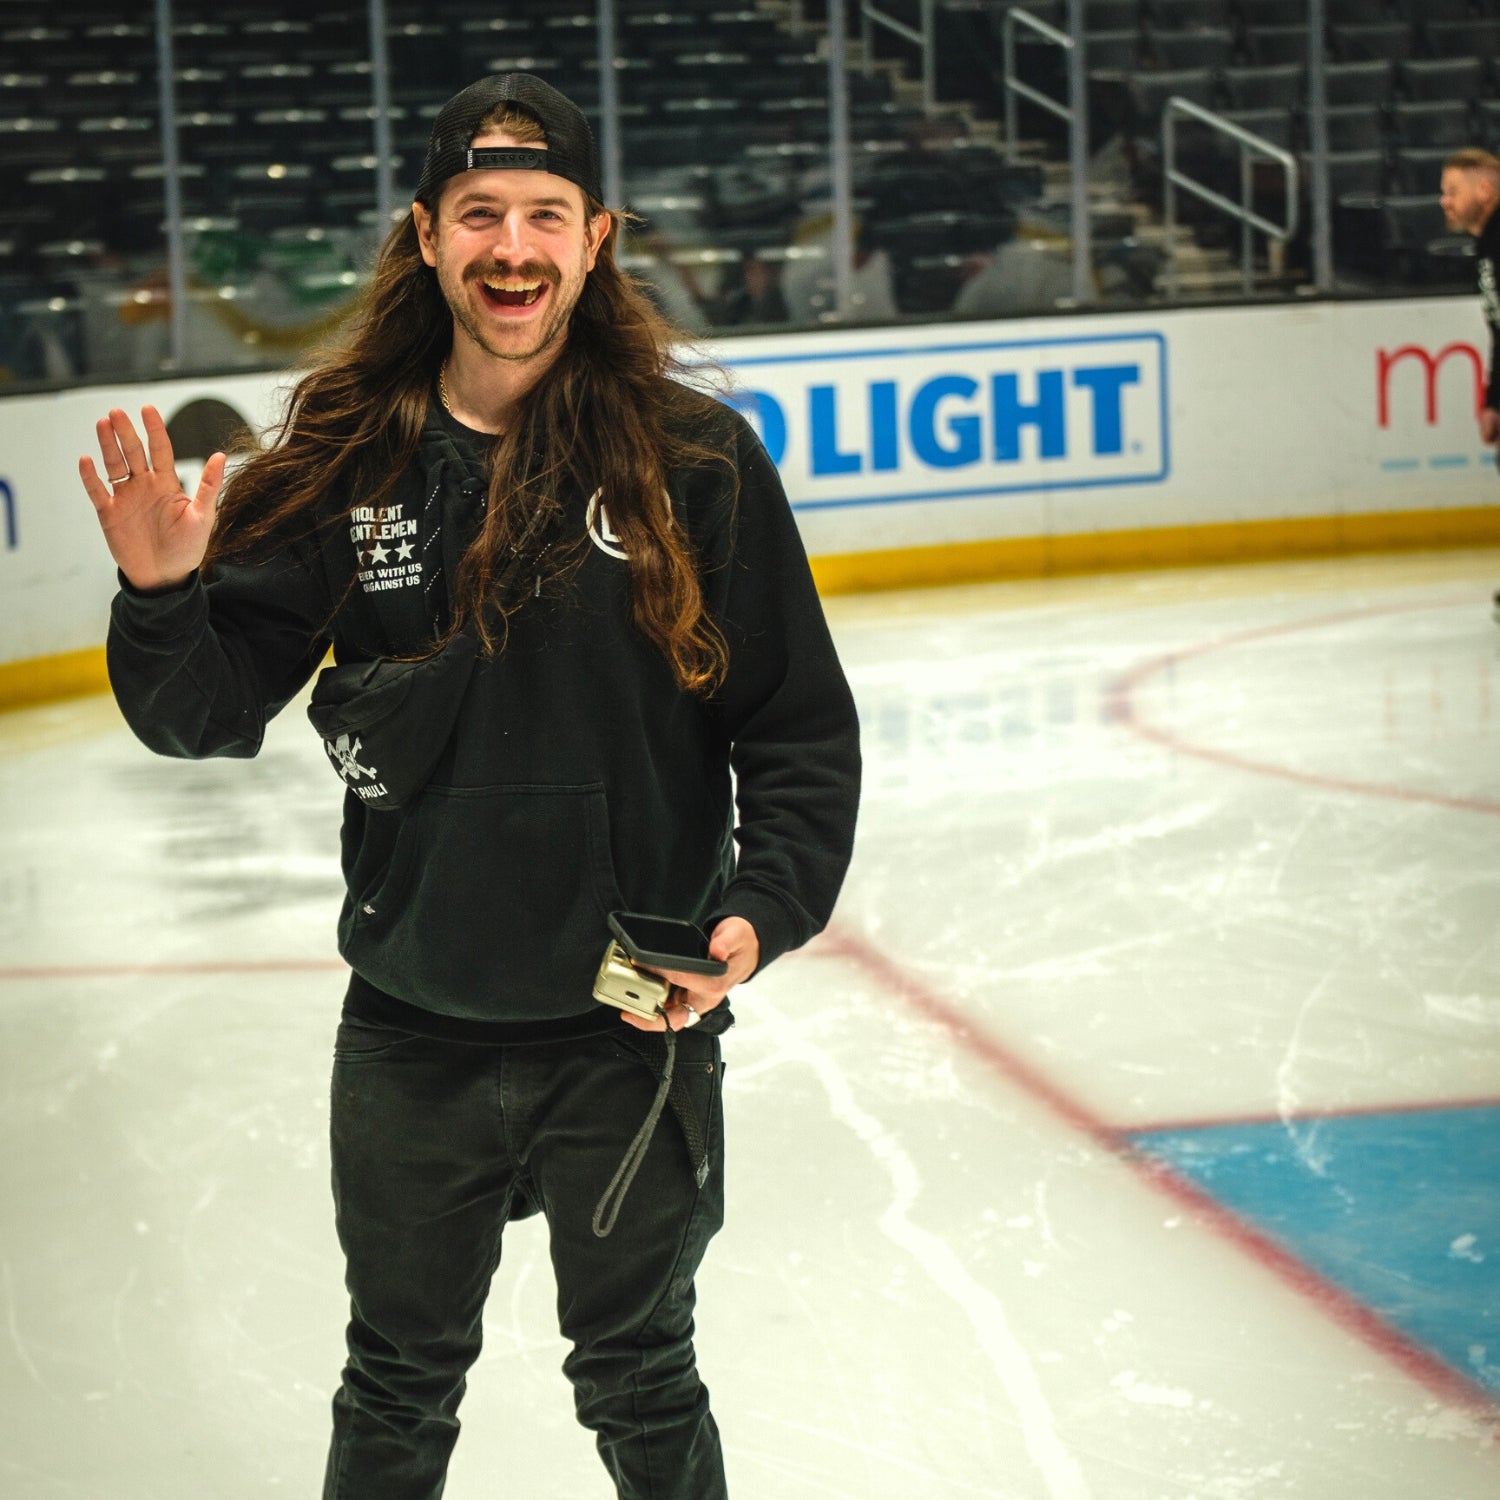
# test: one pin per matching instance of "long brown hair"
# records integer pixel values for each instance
(610, 414)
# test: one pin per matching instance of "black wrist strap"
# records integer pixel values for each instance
(630, 1164)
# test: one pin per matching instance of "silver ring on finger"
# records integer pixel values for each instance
(692, 1016)
(113, 479)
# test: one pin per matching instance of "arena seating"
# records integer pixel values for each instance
(1406, 83)
(724, 114)
(725, 122)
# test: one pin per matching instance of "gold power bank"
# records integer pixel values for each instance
(621, 984)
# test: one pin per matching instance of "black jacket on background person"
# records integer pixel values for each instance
(1487, 257)
(579, 779)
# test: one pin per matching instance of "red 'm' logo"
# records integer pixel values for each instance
(1386, 359)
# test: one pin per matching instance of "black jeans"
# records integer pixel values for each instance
(437, 1144)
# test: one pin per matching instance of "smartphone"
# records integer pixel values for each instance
(664, 943)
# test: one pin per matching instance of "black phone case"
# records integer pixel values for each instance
(682, 962)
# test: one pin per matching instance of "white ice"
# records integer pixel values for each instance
(1134, 851)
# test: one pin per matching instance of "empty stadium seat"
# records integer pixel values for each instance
(481, 37)
(1433, 124)
(1443, 78)
(1383, 41)
(102, 91)
(1367, 83)
(1112, 51)
(1474, 38)
(1351, 173)
(267, 195)
(1251, 87)
(1111, 15)
(1355, 127)
(337, 34)
(75, 198)
(199, 88)
(1487, 123)
(1457, 10)
(1275, 44)
(210, 134)
(1208, 48)
(24, 94)
(131, 44)
(284, 33)
(1255, 14)
(264, 85)
(1187, 15)
(658, 31)
(1362, 12)
(50, 47)
(189, 35)
(25, 145)
(1275, 125)
(1147, 94)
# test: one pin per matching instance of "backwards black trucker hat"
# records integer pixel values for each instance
(570, 151)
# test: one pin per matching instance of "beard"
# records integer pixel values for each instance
(461, 288)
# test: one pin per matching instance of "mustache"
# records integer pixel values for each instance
(499, 270)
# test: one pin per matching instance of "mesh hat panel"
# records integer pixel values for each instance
(570, 151)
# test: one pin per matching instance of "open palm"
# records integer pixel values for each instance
(155, 532)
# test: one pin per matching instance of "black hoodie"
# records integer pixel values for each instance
(579, 779)
(1487, 256)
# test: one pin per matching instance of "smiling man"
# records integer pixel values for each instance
(581, 669)
(511, 244)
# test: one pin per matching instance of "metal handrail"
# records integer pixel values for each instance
(923, 36)
(610, 150)
(166, 73)
(1075, 113)
(1015, 87)
(380, 123)
(1249, 143)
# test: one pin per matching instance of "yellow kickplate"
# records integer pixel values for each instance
(42, 679)
(1167, 547)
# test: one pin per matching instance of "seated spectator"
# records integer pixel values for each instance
(809, 289)
(757, 298)
(1019, 276)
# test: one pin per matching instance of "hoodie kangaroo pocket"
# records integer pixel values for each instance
(494, 903)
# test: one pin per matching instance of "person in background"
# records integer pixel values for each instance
(1470, 194)
(499, 497)
(754, 295)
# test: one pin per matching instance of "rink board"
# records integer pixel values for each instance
(948, 452)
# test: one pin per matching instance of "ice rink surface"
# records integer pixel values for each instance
(1134, 1133)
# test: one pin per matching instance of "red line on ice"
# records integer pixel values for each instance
(1120, 708)
(1434, 1374)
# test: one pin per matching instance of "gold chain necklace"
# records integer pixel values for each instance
(443, 388)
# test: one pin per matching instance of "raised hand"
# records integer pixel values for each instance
(155, 533)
